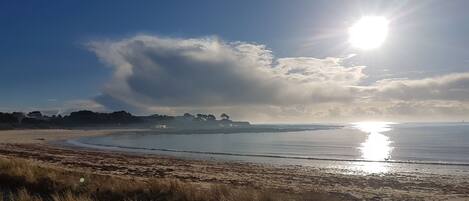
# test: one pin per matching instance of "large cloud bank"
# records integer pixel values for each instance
(173, 75)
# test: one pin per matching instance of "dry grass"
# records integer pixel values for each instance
(22, 180)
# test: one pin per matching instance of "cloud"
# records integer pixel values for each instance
(326, 71)
(447, 87)
(154, 71)
(176, 75)
(430, 109)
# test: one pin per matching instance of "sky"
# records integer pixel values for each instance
(263, 61)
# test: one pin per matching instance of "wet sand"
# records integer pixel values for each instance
(37, 145)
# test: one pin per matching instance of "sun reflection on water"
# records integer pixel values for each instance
(377, 146)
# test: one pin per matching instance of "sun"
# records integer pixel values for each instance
(369, 32)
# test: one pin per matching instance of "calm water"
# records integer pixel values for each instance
(366, 147)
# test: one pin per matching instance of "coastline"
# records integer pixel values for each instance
(39, 146)
(162, 151)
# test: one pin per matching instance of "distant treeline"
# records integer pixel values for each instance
(85, 118)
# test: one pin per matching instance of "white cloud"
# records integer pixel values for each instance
(174, 75)
(448, 87)
(328, 70)
(153, 71)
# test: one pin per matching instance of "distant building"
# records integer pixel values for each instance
(229, 123)
(161, 126)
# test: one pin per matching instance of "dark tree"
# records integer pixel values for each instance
(164, 118)
(86, 117)
(211, 117)
(19, 116)
(224, 116)
(188, 116)
(35, 114)
(201, 117)
(7, 118)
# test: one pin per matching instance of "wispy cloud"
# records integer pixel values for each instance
(447, 87)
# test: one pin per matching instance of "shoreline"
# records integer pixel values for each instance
(290, 179)
(128, 149)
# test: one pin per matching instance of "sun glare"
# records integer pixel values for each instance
(369, 32)
(377, 146)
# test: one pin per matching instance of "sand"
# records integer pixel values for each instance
(36, 145)
(46, 135)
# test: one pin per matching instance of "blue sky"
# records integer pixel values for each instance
(45, 60)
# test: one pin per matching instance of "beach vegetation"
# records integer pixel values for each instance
(24, 180)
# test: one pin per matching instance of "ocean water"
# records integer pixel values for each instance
(362, 148)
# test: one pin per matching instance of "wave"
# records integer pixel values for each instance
(97, 145)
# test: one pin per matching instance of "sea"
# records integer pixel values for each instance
(355, 148)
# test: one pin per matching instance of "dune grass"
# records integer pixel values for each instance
(24, 180)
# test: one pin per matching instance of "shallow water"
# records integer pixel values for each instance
(372, 147)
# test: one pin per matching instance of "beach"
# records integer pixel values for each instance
(41, 136)
(44, 147)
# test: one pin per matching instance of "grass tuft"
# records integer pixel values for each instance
(23, 180)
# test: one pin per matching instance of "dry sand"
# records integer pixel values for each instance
(49, 135)
(32, 145)
(46, 135)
